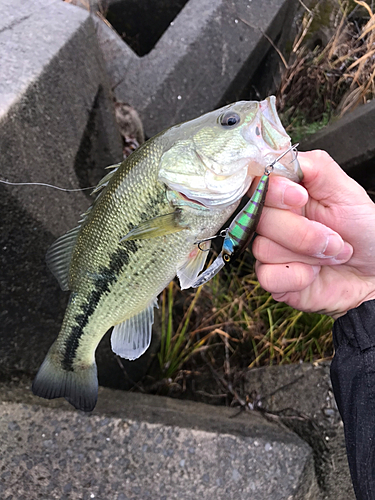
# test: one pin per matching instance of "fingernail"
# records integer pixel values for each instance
(334, 245)
(278, 296)
(295, 196)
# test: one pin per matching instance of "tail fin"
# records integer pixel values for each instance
(79, 387)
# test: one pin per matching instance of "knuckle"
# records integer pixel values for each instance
(323, 156)
(300, 278)
(311, 241)
(261, 249)
(263, 277)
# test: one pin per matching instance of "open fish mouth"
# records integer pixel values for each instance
(272, 142)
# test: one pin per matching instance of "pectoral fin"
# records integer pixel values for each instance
(157, 226)
(188, 271)
(131, 338)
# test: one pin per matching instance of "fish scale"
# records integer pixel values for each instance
(179, 187)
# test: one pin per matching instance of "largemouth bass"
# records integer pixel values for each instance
(178, 188)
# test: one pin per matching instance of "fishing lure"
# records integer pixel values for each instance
(242, 229)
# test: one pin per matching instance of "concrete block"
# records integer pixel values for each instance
(351, 142)
(281, 387)
(57, 126)
(138, 446)
(205, 58)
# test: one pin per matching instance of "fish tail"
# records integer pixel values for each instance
(79, 386)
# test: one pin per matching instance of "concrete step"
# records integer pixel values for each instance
(136, 446)
(351, 142)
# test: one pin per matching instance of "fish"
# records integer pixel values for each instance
(241, 230)
(179, 187)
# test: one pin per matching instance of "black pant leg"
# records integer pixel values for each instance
(353, 380)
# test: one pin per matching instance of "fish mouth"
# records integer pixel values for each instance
(272, 141)
(275, 135)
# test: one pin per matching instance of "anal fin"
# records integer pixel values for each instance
(131, 338)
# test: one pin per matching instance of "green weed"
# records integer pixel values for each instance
(176, 348)
(236, 321)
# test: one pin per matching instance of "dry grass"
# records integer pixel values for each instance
(321, 82)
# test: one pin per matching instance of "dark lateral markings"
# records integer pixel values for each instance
(105, 277)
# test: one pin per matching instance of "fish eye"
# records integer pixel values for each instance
(226, 257)
(229, 119)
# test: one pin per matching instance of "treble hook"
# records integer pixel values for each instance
(222, 234)
(269, 168)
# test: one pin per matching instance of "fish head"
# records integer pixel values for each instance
(213, 159)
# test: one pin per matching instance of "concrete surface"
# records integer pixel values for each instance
(351, 142)
(52, 82)
(57, 126)
(205, 58)
(145, 447)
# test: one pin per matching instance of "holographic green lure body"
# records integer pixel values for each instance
(240, 232)
(243, 227)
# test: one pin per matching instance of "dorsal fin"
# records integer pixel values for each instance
(103, 182)
(59, 255)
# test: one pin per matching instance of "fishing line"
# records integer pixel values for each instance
(3, 181)
(45, 185)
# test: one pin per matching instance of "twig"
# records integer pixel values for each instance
(227, 385)
(305, 7)
(271, 42)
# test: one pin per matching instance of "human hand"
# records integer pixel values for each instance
(318, 256)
